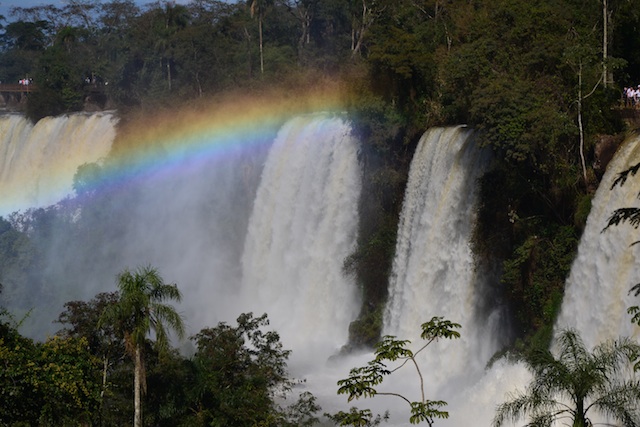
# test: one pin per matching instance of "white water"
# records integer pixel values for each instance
(189, 221)
(434, 275)
(303, 226)
(37, 163)
(433, 270)
(597, 290)
(595, 302)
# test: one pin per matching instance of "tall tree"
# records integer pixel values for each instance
(576, 383)
(173, 18)
(140, 310)
(258, 9)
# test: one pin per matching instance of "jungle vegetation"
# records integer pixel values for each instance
(82, 375)
(539, 81)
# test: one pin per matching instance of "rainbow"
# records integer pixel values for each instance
(162, 141)
(165, 140)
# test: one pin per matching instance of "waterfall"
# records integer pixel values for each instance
(302, 227)
(188, 220)
(433, 270)
(268, 229)
(37, 163)
(434, 274)
(597, 291)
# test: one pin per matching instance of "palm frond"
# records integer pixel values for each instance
(621, 402)
(622, 215)
(537, 406)
(622, 176)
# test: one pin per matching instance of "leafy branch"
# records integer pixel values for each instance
(362, 381)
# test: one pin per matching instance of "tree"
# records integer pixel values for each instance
(259, 8)
(68, 380)
(141, 309)
(53, 383)
(358, 418)
(362, 381)
(576, 383)
(172, 19)
(361, 22)
(241, 370)
(105, 342)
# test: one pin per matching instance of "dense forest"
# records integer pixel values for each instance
(541, 82)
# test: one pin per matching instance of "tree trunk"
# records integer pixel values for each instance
(169, 74)
(580, 126)
(249, 62)
(137, 385)
(304, 39)
(357, 36)
(580, 419)
(105, 369)
(605, 41)
(261, 54)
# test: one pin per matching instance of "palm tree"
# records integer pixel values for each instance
(576, 383)
(140, 309)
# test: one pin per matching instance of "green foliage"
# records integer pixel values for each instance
(106, 343)
(241, 370)
(50, 384)
(141, 309)
(534, 279)
(61, 72)
(170, 377)
(358, 418)
(20, 399)
(427, 411)
(363, 381)
(365, 330)
(577, 381)
(69, 381)
(86, 178)
(635, 312)
(582, 210)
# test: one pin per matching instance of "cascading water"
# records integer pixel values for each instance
(597, 291)
(299, 228)
(433, 270)
(434, 274)
(188, 220)
(303, 226)
(37, 163)
(262, 226)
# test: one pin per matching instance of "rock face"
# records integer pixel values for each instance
(12, 101)
(606, 146)
(95, 101)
